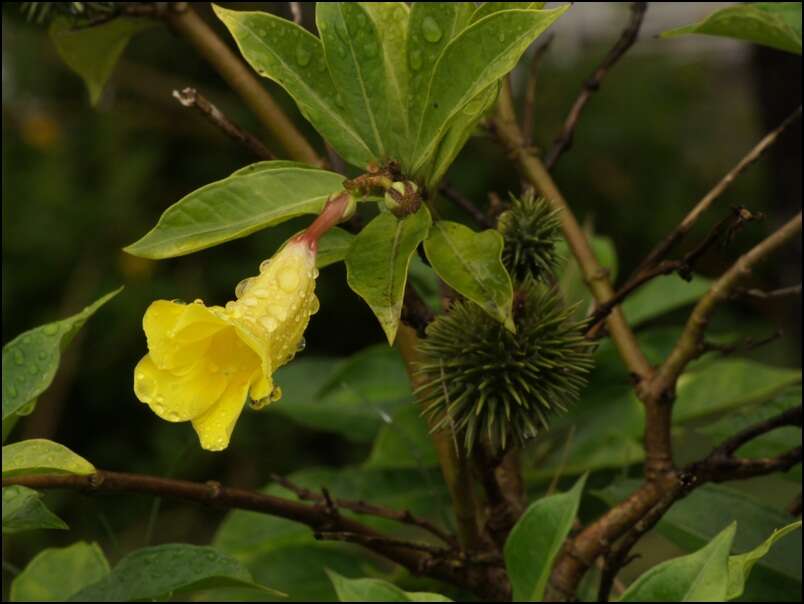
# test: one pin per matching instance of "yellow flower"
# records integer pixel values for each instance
(204, 362)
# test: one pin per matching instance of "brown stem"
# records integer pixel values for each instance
(592, 85)
(530, 88)
(444, 564)
(190, 97)
(241, 79)
(467, 206)
(333, 213)
(675, 236)
(794, 290)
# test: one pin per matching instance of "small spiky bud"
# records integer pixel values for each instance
(530, 229)
(491, 385)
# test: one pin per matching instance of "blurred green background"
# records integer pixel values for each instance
(81, 183)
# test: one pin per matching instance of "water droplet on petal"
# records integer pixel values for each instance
(301, 345)
(431, 30)
(264, 265)
(144, 386)
(178, 301)
(269, 323)
(241, 287)
(198, 301)
(289, 279)
(261, 292)
(276, 394)
(250, 301)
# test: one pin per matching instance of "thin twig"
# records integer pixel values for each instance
(745, 345)
(530, 88)
(724, 229)
(185, 21)
(370, 509)
(590, 86)
(296, 11)
(463, 202)
(794, 290)
(389, 541)
(677, 234)
(190, 97)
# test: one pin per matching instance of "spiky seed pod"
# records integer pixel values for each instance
(530, 229)
(490, 384)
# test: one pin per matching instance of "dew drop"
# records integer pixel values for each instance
(241, 287)
(416, 60)
(264, 265)
(178, 301)
(301, 345)
(261, 292)
(501, 36)
(50, 330)
(33, 369)
(19, 358)
(302, 55)
(144, 386)
(314, 305)
(250, 301)
(431, 30)
(268, 323)
(198, 301)
(288, 279)
(276, 394)
(278, 311)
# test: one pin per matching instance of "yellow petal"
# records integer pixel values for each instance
(174, 397)
(178, 334)
(215, 427)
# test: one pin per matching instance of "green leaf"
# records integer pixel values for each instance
(160, 571)
(355, 57)
(432, 25)
(378, 261)
(92, 52)
(391, 22)
(488, 8)
(31, 359)
(740, 566)
(350, 397)
(536, 540)
(251, 199)
(376, 590)
(286, 555)
(717, 385)
(699, 577)
(479, 56)
(294, 58)
(461, 127)
(697, 518)
(40, 456)
(333, 247)
(471, 263)
(23, 510)
(57, 573)
(663, 295)
(404, 441)
(774, 24)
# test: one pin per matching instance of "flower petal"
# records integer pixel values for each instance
(215, 427)
(178, 334)
(177, 398)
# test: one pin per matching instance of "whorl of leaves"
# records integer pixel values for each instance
(530, 229)
(490, 384)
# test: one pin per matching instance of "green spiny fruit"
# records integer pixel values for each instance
(530, 228)
(490, 384)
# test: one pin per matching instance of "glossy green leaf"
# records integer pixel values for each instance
(249, 200)
(740, 566)
(774, 24)
(479, 56)
(391, 22)
(461, 127)
(294, 58)
(92, 52)
(351, 397)
(377, 590)
(404, 441)
(662, 295)
(285, 554)
(696, 519)
(488, 8)
(721, 384)
(471, 264)
(333, 247)
(40, 456)
(432, 25)
(30, 360)
(161, 571)
(23, 510)
(699, 577)
(355, 57)
(57, 573)
(536, 539)
(378, 261)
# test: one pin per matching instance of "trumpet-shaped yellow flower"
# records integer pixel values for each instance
(205, 362)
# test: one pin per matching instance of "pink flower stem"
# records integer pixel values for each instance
(331, 215)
